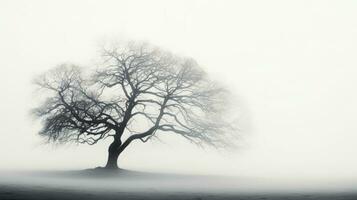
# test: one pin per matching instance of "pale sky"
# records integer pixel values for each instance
(291, 65)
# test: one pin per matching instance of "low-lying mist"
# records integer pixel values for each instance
(131, 181)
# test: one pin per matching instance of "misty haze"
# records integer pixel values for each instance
(178, 99)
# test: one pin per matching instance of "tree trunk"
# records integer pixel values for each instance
(113, 154)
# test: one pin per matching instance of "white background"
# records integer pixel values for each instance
(291, 64)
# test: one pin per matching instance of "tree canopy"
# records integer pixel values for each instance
(137, 93)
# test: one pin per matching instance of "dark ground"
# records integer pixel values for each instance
(94, 184)
(43, 193)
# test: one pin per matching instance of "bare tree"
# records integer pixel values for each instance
(138, 92)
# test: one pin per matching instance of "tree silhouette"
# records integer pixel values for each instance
(137, 93)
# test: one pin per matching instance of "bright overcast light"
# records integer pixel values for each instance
(290, 64)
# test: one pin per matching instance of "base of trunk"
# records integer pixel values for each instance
(112, 162)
